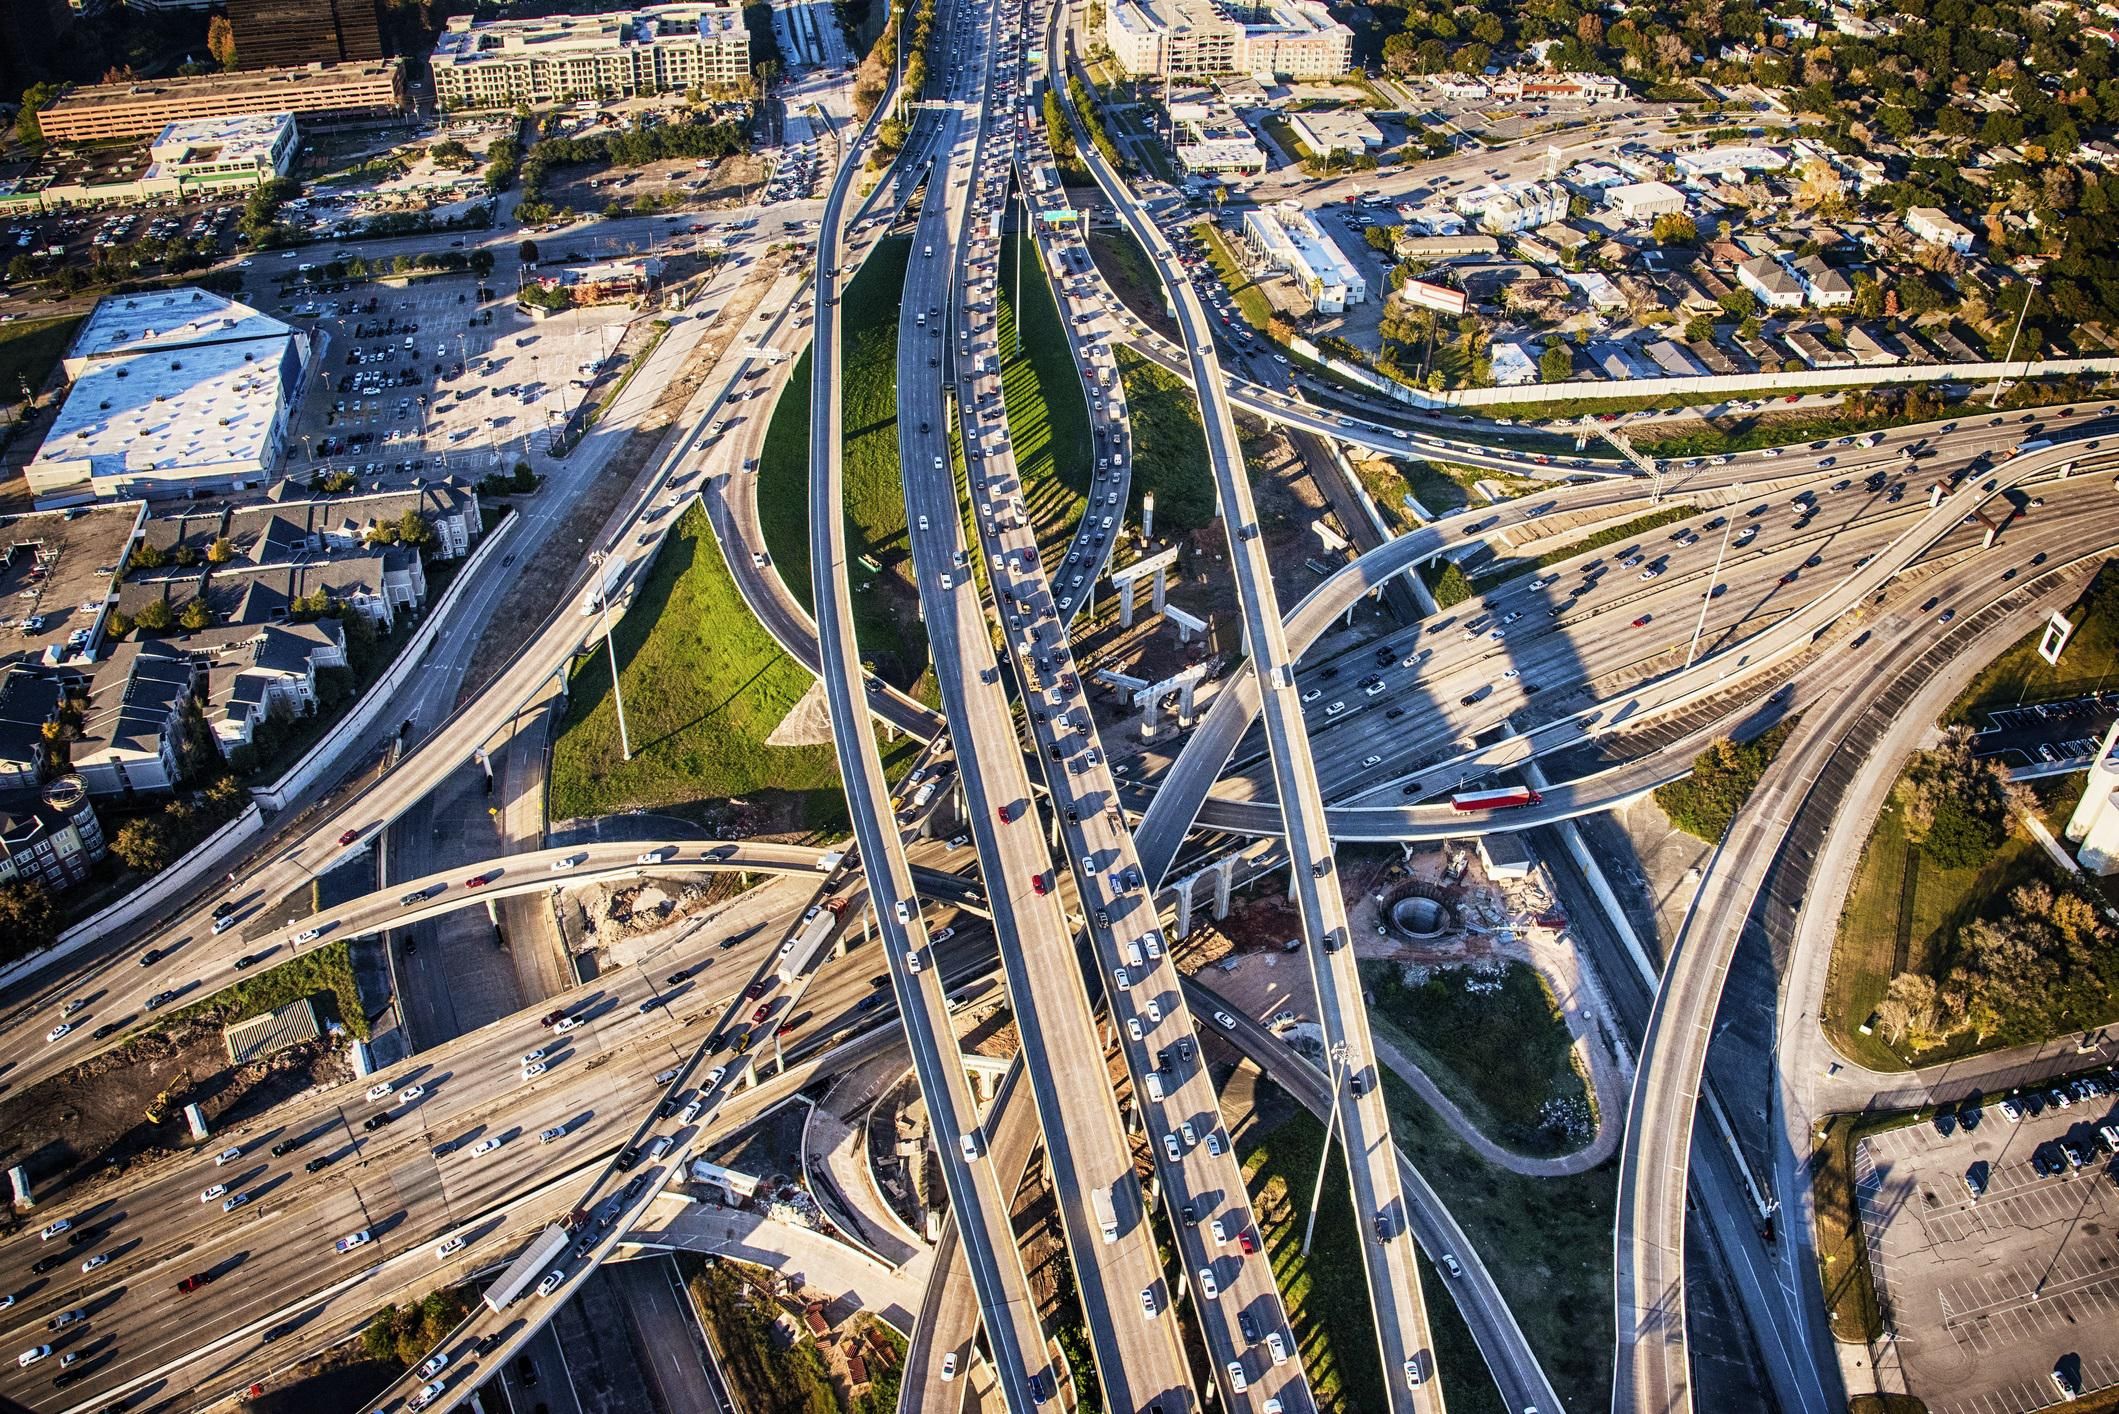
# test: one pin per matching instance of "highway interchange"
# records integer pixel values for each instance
(1831, 577)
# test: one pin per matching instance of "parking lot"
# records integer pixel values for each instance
(2047, 732)
(426, 379)
(1987, 1295)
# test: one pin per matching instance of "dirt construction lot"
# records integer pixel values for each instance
(1987, 1295)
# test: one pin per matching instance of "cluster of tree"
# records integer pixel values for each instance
(2044, 963)
(1093, 121)
(30, 918)
(405, 1334)
(520, 482)
(150, 843)
(1723, 777)
(453, 154)
(411, 528)
(1061, 138)
(634, 147)
(538, 295)
(1957, 808)
(156, 616)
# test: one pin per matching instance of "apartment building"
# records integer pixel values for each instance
(1284, 237)
(653, 49)
(1196, 39)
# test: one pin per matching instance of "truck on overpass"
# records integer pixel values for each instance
(812, 937)
(527, 1267)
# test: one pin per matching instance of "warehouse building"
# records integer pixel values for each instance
(174, 391)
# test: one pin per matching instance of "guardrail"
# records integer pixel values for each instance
(304, 772)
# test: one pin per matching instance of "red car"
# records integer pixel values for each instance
(756, 989)
(1003, 813)
(1037, 882)
(1642, 621)
(1247, 1240)
(349, 837)
(761, 1013)
(551, 1018)
(479, 881)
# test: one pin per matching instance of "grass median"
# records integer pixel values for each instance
(2086, 665)
(325, 972)
(1048, 420)
(1169, 446)
(879, 550)
(705, 686)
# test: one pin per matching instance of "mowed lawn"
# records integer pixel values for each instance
(30, 350)
(2086, 664)
(1048, 418)
(1903, 914)
(704, 686)
(886, 622)
(1169, 446)
(1499, 1054)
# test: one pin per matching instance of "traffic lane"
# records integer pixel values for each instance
(673, 1359)
(1051, 1011)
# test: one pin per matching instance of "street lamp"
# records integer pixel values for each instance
(1309, 1224)
(2010, 357)
(1728, 525)
(603, 599)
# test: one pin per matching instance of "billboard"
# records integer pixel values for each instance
(1438, 297)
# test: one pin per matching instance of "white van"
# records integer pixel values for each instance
(1155, 1086)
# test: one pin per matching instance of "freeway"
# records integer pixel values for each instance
(982, 1211)
(1651, 1372)
(1171, 1095)
(1139, 1359)
(1393, 1275)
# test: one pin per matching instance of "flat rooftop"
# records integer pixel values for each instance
(61, 567)
(205, 88)
(243, 137)
(198, 405)
(181, 317)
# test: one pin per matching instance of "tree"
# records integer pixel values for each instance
(195, 616)
(1908, 1011)
(1739, 302)
(1699, 329)
(412, 529)
(221, 551)
(29, 917)
(143, 845)
(156, 615)
(526, 252)
(220, 40)
(1676, 228)
(1556, 364)
(27, 129)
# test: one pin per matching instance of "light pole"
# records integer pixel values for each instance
(2010, 357)
(1331, 1127)
(603, 599)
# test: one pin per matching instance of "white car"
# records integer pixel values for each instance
(557, 1131)
(564, 1025)
(410, 1093)
(94, 1262)
(949, 1367)
(354, 1239)
(551, 1282)
(533, 1070)
(486, 1146)
(427, 1395)
(57, 1031)
(227, 1156)
(219, 1190)
(434, 1363)
(308, 935)
(567, 862)
(32, 1355)
(1155, 1011)
(52, 1230)
(1225, 1021)
(235, 1202)
(1133, 1027)
(1210, 1287)
(530, 1058)
(713, 1077)
(381, 1091)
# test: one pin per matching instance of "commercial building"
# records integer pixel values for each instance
(1441, 298)
(1933, 224)
(1723, 163)
(272, 34)
(1211, 139)
(325, 93)
(173, 391)
(1644, 201)
(653, 49)
(2095, 823)
(1342, 131)
(1283, 237)
(605, 282)
(197, 159)
(1193, 39)
(1507, 207)
(50, 837)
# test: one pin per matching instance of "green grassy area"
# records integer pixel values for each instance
(1435, 488)
(1250, 297)
(2087, 664)
(1169, 446)
(1048, 420)
(885, 625)
(1504, 570)
(1325, 1293)
(1502, 1054)
(1131, 275)
(325, 972)
(29, 351)
(1547, 1242)
(704, 685)
(1445, 582)
(1842, 1253)
(1723, 777)
(1902, 915)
